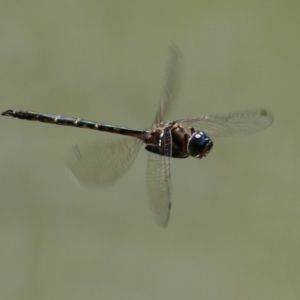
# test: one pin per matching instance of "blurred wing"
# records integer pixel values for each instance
(159, 181)
(103, 162)
(232, 124)
(171, 82)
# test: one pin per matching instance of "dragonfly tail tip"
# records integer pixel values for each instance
(8, 112)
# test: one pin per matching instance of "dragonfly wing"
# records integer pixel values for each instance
(231, 124)
(159, 181)
(171, 82)
(100, 163)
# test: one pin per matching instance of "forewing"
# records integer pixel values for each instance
(100, 163)
(171, 83)
(232, 124)
(159, 181)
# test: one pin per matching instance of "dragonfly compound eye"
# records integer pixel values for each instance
(199, 144)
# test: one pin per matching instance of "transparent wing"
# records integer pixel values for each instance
(100, 163)
(171, 83)
(159, 181)
(234, 123)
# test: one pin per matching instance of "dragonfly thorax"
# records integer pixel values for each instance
(199, 144)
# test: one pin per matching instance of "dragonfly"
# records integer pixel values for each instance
(101, 163)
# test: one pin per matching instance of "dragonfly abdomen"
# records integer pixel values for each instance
(74, 122)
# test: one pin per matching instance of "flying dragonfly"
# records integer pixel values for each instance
(101, 164)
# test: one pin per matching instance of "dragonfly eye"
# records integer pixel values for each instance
(199, 144)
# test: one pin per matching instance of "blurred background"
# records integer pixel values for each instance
(234, 231)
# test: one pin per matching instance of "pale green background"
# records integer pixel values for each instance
(234, 231)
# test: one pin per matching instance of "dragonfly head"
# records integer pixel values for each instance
(199, 144)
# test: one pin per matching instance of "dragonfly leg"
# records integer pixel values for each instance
(154, 149)
(157, 150)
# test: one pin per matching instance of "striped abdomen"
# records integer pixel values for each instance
(75, 122)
